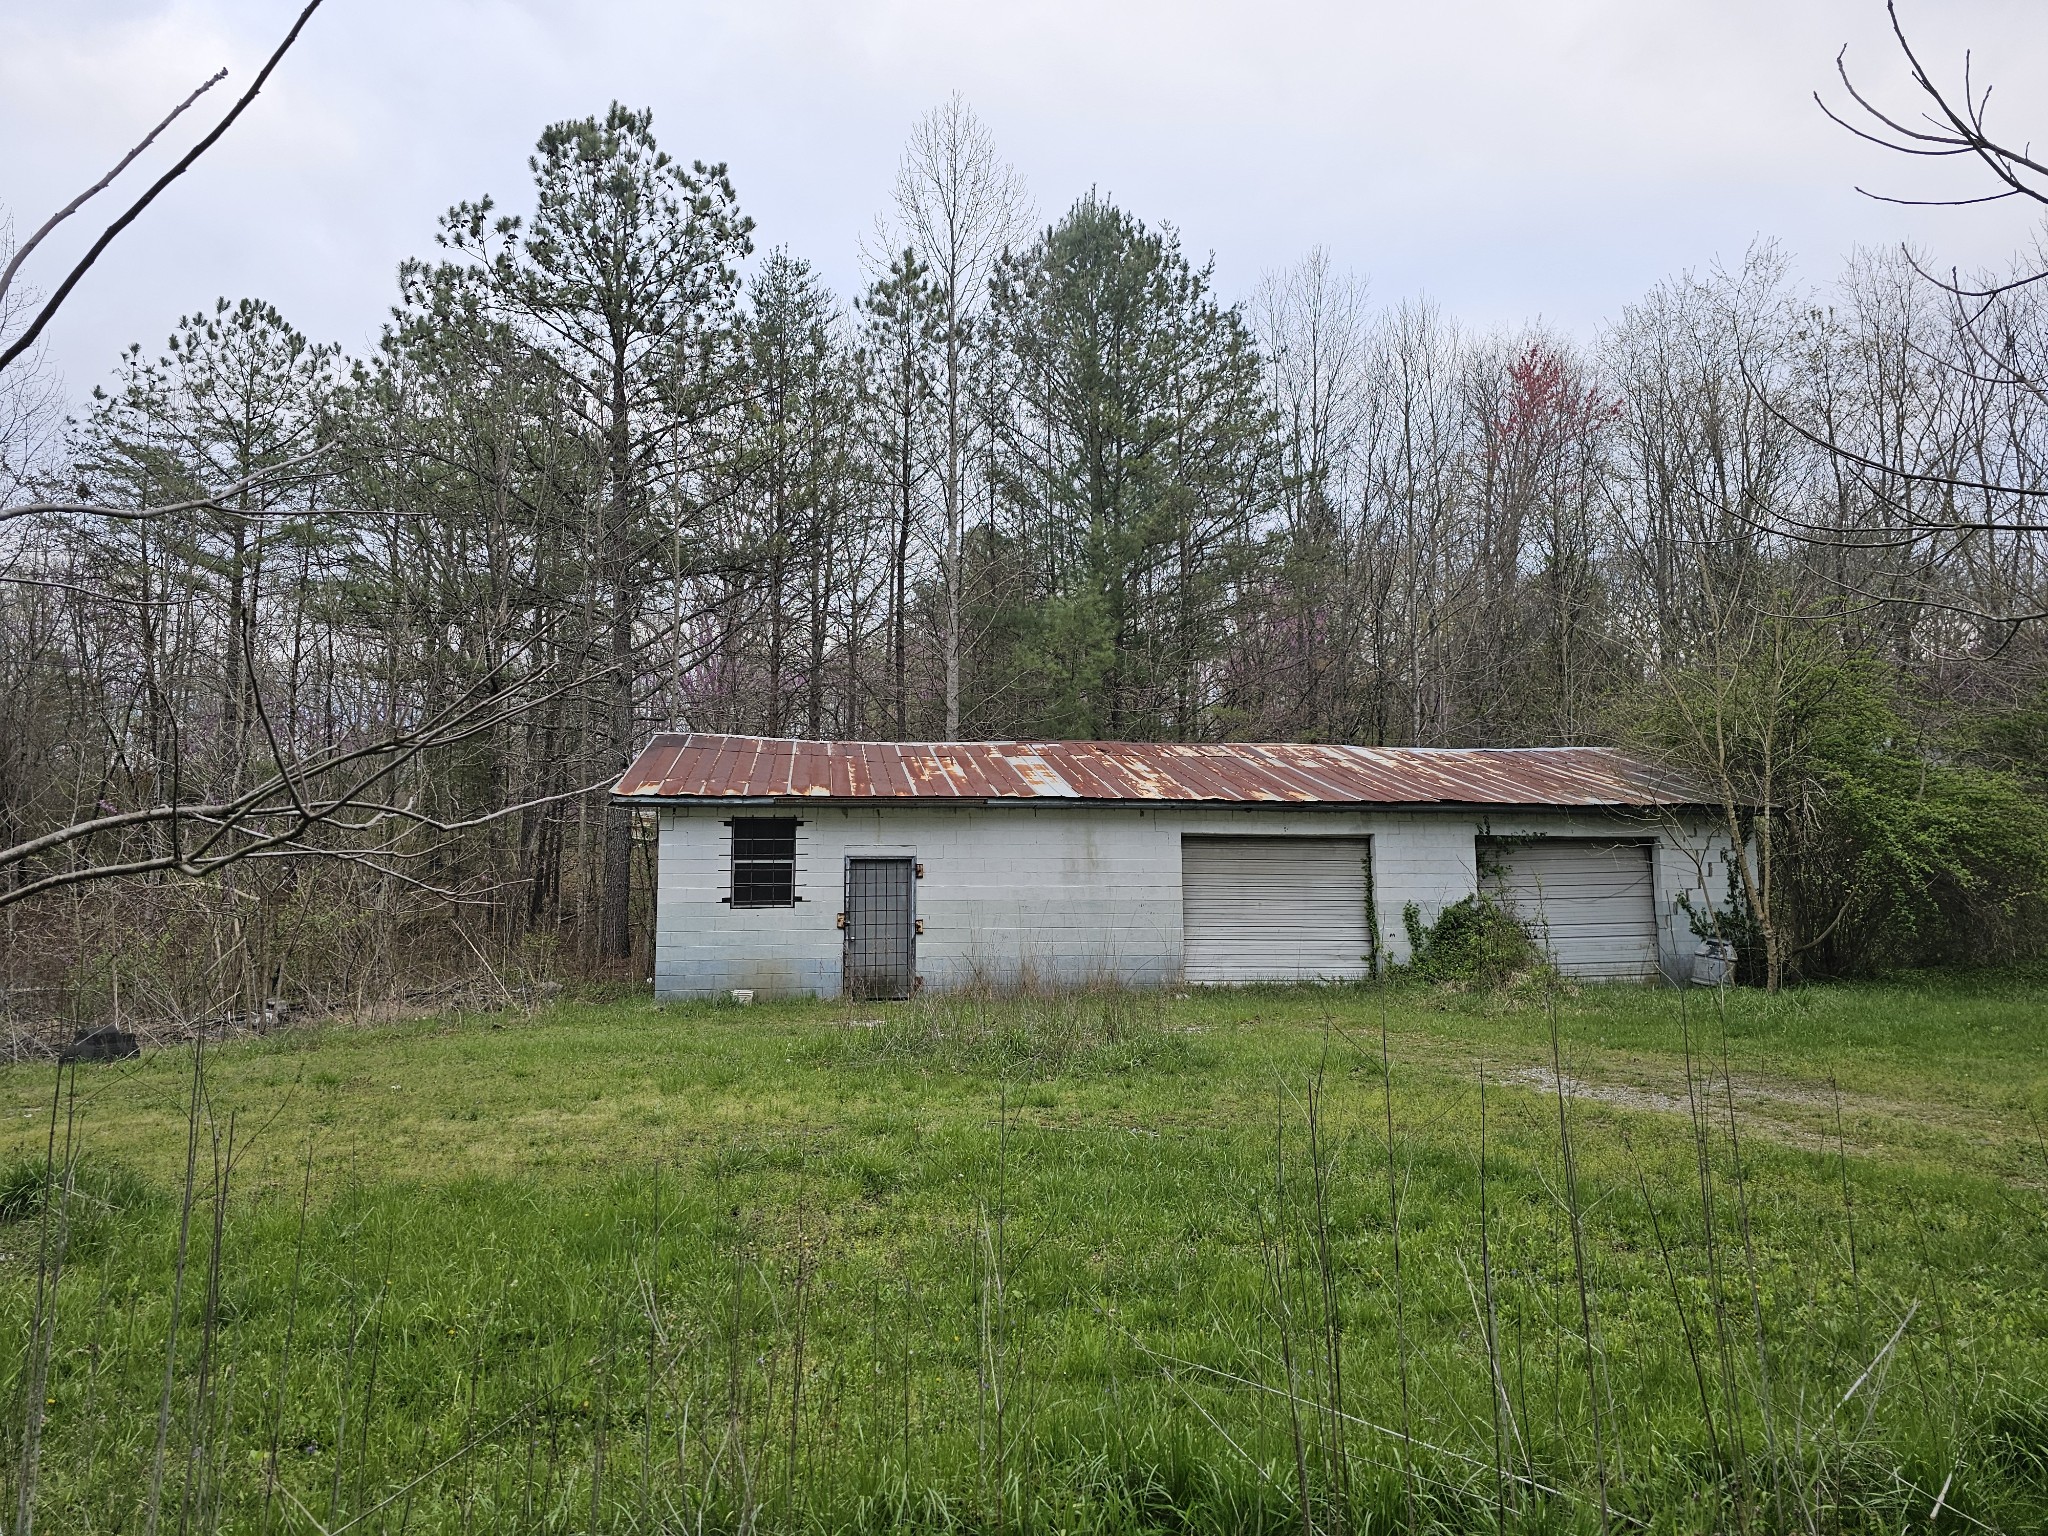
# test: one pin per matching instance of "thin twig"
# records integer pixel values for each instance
(78, 202)
(56, 300)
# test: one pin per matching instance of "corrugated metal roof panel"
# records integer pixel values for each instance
(699, 766)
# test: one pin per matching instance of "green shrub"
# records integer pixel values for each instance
(1475, 942)
(1874, 843)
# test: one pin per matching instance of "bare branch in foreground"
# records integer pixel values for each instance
(1958, 130)
(212, 501)
(284, 810)
(63, 290)
(78, 202)
(1950, 126)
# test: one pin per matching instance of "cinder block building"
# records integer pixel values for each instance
(874, 869)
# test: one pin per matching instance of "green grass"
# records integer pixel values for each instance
(1076, 1263)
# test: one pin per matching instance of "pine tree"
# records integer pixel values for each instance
(1137, 456)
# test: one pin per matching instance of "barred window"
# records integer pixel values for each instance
(764, 861)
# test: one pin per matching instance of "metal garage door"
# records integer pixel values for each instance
(1273, 908)
(1591, 904)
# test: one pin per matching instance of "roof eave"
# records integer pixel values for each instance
(642, 798)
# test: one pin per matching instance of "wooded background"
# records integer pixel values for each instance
(611, 470)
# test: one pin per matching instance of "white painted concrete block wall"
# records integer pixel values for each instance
(1692, 862)
(1051, 892)
(1055, 894)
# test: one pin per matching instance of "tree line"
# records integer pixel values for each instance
(612, 468)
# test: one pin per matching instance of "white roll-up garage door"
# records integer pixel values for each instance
(1274, 908)
(1592, 905)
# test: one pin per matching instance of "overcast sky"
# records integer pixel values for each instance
(1513, 159)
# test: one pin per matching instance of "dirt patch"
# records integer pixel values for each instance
(1621, 1095)
(1802, 1115)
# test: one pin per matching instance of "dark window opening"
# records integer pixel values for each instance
(764, 861)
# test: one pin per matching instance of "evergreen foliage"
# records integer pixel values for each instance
(1136, 445)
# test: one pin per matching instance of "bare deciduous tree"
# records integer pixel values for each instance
(960, 206)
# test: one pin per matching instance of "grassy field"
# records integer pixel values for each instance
(1298, 1260)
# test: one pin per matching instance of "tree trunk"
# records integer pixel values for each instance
(615, 909)
(900, 573)
(951, 558)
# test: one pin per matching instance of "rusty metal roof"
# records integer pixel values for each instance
(700, 767)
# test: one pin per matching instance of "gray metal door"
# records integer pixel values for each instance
(1274, 908)
(1590, 904)
(881, 932)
